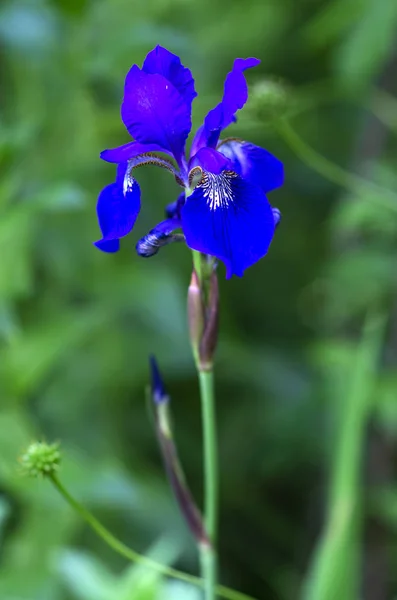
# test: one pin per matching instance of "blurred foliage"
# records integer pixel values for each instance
(76, 326)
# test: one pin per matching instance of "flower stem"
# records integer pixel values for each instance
(203, 321)
(208, 571)
(206, 379)
(208, 553)
(113, 542)
(118, 546)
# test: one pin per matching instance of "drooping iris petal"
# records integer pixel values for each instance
(117, 211)
(159, 236)
(109, 246)
(254, 163)
(230, 218)
(154, 112)
(235, 95)
(163, 62)
(129, 151)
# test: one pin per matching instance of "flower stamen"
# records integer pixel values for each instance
(196, 176)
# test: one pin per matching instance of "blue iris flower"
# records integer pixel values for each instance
(225, 212)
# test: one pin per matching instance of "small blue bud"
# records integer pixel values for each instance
(159, 393)
(173, 210)
(277, 216)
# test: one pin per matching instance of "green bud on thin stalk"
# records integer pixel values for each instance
(270, 99)
(41, 460)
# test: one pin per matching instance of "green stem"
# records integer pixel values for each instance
(197, 263)
(208, 571)
(221, 590)
(206, 379)
(208, 554)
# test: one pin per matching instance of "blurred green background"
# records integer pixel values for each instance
(306, 368)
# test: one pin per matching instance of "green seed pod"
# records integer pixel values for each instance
(41, 459)
(269, 99)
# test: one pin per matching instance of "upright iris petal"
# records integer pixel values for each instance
(255, 164)
(129, 151)
(230, 218)
(235, 95)
(163, 62)
(210, 160)
(154, 112)
(117, 210)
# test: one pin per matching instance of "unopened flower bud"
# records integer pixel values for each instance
(269, 99)
(210, 334)
(41, 459)
(195, 310)
(172, 464)
(159, 393)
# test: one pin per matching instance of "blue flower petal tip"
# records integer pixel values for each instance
(159, 393)
(109, 246)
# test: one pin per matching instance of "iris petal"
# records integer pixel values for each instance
(109, 246)
(235, 95)
(154, 112)
(230, 218)
(163, 62)
(129, 151)
(117, 211)
(173, 209)
(159, 236)
(254, 163)
(210, 160)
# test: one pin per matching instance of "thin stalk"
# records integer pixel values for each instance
(208, 553)
(333, 172)
(203, 324)
(206, 379)
(208, 571)
(197, 263)
(118, 546)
